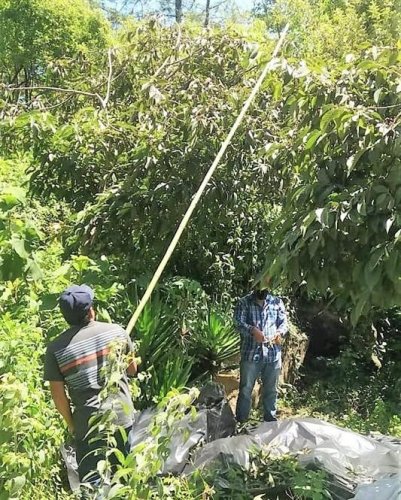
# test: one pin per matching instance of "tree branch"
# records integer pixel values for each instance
(207, 14)
(109, 79)
(168, 58)
(102, 101)
(54, 89)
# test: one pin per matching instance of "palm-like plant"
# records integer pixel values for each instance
(173, 373)
(214, 341)
(159, 347)
(156, 333)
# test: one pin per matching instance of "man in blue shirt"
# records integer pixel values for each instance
(262, 322)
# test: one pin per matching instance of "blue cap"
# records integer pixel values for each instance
(75, 303)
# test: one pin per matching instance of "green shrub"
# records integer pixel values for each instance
(30, 430)
(349, 392)
(213, 341)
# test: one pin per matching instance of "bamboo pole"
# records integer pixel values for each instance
(202, 187)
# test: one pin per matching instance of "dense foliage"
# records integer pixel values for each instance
(340, 227)
(107, 130)
(103, 162)
(38, 38)
(321, 29)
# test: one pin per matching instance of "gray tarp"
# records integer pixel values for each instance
(70, 460)
(186, 436)
(387, 488)
(368, 467)
(349, 458)
(214, 420)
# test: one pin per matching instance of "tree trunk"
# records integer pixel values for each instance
(207, 13)
(26, 84)
(178, 10)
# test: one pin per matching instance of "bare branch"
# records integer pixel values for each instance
(54, 89)
(67, 99)
(169, 58)
(207, 14)
(390, 106)
(178, 11)
(102, 101)
(217, 5)
(109, 79)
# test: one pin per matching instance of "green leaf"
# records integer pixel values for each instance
(10, 197)
(368, 64)
(372, 276)
(357, 310)
(331, 115)
(379, 188)
(375, 258)
(101, 466)
(17, 483)
(312, 138)
(353, 160)
(115, 490)
(382, 200)
(18, 246)
(390, 265)
(376, 95)
(22, 120)
(34, 270)
(65, 132)
(277, 90)
(313, 246)
(307, 221)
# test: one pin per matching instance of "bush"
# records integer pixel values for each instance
(350, 392)
(31, 431)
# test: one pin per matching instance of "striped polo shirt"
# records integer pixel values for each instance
(78, 358)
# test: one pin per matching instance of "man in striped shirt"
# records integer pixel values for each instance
(75, 361)
(262, 323)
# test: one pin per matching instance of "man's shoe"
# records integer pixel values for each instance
(270, 419)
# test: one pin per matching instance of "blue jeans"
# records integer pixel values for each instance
(249, 372)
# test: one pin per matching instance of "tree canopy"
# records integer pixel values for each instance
(36, 35)
(330, 29)
(301, 181)
(108, 124)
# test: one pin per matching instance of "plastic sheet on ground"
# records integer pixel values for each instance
(70, 460)
(387, 488)
(349, 458)
(188, 433)
(220, 418)
(214, 420)
(361, 467)
(235, 449)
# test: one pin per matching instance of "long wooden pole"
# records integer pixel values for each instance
(202, 187)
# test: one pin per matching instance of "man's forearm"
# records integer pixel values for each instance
(64, 409)
(62, 403)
